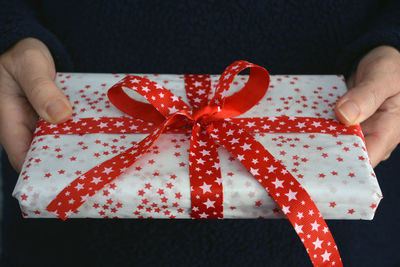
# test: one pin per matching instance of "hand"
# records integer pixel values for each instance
(374, 101)
(27, 88)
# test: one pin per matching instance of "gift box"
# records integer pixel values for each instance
(294, 121)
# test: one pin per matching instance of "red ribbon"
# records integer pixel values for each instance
(211, 123)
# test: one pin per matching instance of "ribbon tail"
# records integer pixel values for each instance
(293, 199)
(85, 186)
(205, 176)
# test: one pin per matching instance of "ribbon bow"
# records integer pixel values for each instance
(211, 124)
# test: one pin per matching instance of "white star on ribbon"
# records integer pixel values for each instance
(119, 124)
(107, 170)
(206, 188)
(68, 213)
(298, 228)
(102, 125)
(234, 141)
(200, 161)
(254, 172)
(203, 215)
(246, 146)
(291, 195)
(316, 124)
(332, 127)
(197, 84)
(315, 226)
(174, 98)
(278, 183)
(240, 157)
(325, 256)
(96, 180)
(205, 152)
(209, 203)
(201, 143)
(250, 124)
(79, 186)
(216, 166)
(85, 197)
(317, 243)
(271, 169)
(301, 125)
(230, 132)
(285, 209)
(173, 110)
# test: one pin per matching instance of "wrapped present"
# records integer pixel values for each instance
(237, 151)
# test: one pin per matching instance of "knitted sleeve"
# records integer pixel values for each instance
(19, 20)
(383, 30)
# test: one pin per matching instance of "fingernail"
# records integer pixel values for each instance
(349, 110)
(57, 110)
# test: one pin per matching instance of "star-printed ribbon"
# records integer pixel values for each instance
(210, 122)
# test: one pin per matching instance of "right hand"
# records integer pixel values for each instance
(27, 89)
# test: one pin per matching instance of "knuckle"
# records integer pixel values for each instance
(30, 54)
(24, 60)
(373, 96)
(33, 58)
(376, 97)
(388, 64)
(40, 85)
(392, 106)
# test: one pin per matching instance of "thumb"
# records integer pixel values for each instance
(361, 101)
(35, 73)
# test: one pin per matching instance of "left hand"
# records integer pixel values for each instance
(374, 101)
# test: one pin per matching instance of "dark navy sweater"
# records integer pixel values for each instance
(203, 36)
(302, 37)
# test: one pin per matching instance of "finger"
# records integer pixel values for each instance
(35, 74)
(365, 98)
(15, 130)
(380, 136)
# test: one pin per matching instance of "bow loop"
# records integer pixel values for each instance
(163, 103)
(252, 92)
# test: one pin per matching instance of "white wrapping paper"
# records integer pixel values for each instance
(335, 171)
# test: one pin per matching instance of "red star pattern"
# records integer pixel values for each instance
(171, 197)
